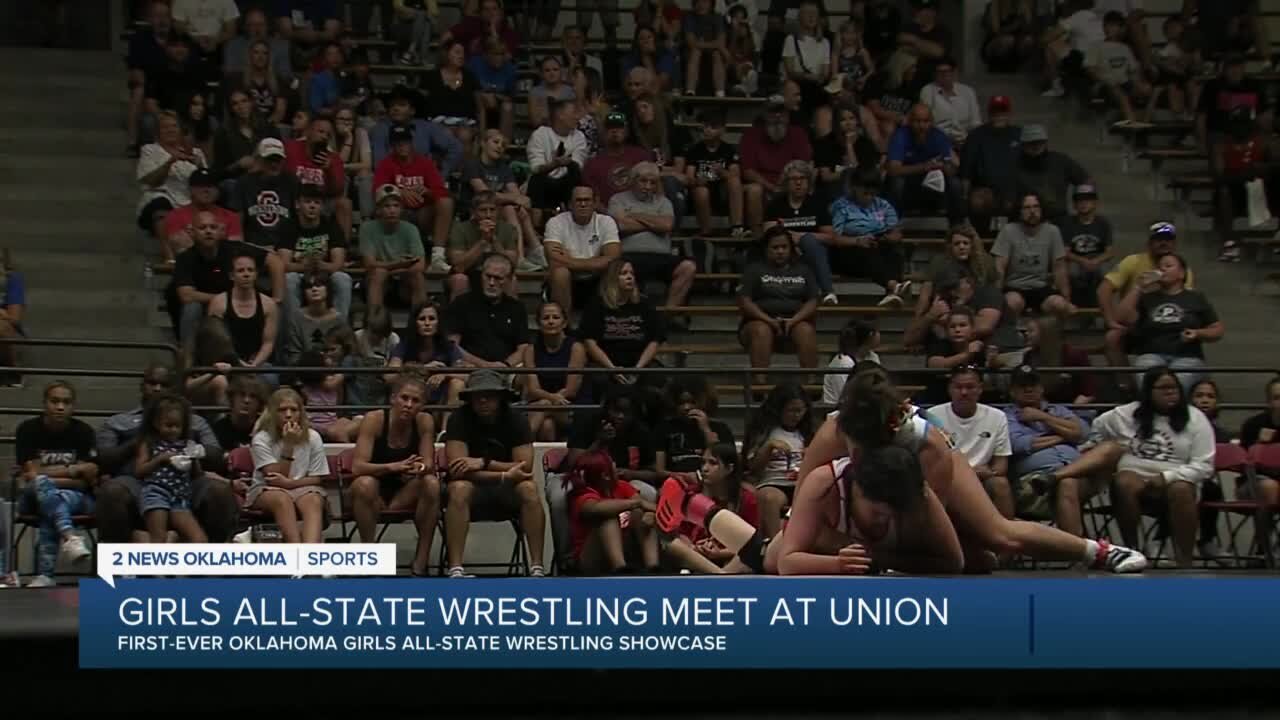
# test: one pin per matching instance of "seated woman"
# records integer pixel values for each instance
(372, 347)
(424, 346)
(688, 428)
(622, 328)
(1169, 453)
(867, 239)
(394, 468)
(553, 348)
(845, 150)
(250, 317)
(646, 53)
(212, 348)
(289, 469)
(774, 447)
(779, 302)
(164, 168)
(964, 254)
(311, 323)
(607, 519)
(849, 518)
(723, 480)
(552, 87)
(451, 94)
(1264, 429)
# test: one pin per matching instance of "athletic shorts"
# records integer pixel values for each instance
(159, 497)
(1035, 297)
(651, 266)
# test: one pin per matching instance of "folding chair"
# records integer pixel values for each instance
(342, 465)
(481, 513)
(19, 523)
(1231, 458)
(1264, 461)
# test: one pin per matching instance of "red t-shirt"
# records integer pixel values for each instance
(298, 161)
(472, 31)
(611, 174)
(1238, 158)
(420, 172)
(179, 220)
(747, 510)
(768, 158)
(579, 529)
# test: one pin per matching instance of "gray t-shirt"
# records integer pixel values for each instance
(643, 242)
(495, 177)
(780, 292)
(1030, 258)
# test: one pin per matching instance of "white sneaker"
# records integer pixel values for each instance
(1118, 559)
(830, 299)
(528, 266)
(1056, 90)
(9, 580)
(458, 572)
(74, 550)
(890, 299)
(439, 264)
(42, 581)
(904, 289)
(245, 537)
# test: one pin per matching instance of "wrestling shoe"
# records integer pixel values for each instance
(1118, 559)
(671, 503)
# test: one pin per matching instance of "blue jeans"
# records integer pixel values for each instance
(55, 506)
(815, 256)
(1187, 379)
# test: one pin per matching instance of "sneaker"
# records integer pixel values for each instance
(439, 264)
(9, 580)
(74, 550)
(42, 581)
(830, 299)
(245, 537)
(689, 93)
(1056, 90)
(671, 501)
(528, 266)
(890, 299)
(1118, 559)
(1230, 252)
(738, 232)
(409, 58)
(537, 571)
(719, 93)
(458, 572)
(904, 289)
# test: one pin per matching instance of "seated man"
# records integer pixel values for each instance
(315, 242)
(313, 163)
(989, 163)
(980, 433)
(491, 172)
(993, 324)
(1045, 438)
(180, 222)
(557, 153)
(57, 458)
(489, 326)
(714, 174)
(472, 241)
(608, 172)
(391, 250)
(1046, 172)
(1031, 263)
(422, 191)
(766, 150)
(1090, 246)
(213, 500)
(490, 454)
(579, 245)
(201, 273)
(645, 221)
(922, 167)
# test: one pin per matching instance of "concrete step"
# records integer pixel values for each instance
(54, 170)
(89, 198)
(93, 143)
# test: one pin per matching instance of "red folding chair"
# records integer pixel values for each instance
(1264, 461)
(1231, 458)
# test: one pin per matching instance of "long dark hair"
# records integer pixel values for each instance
(870, 408)
(769, 416)
(728, 456)
(1178, 415)
(891, 475)
(413, 341)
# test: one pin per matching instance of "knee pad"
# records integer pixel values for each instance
(752, 554)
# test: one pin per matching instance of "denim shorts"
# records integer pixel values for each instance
(159, 497)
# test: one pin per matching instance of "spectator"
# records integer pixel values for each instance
(557, 154)
(1223, 26)
(1220, 95)
(922, 166)
(622, 329)
(723, 481)
(550, 350)
(452, 92)
(164, 171)
(1010, 38)
(889, 97)
(865, 241)
(172, 83)
(602, 507)
(413, 28)
(1170, 322)
(704, 32)
(314, 162)
(989, 163)
(617, 430)
(1176, 65)
(1089, 244)
(1047, 172)
(475, 30)
(1169, 454)
(425, 349)
(645, 220)
(964, 252)
(266, 198)
(857, 344)
(429, 139)
(960, 348)
(1117, 73)
(1068, 44)
(313, 318)
(980, 433)
(421, 190)
(555, 86)
(394, 468)
(146, 59)
(713, 172)
(924, 39)
(236, 141)
(235, 54)
(659, 62)
(851, 62)
(798, 209)
(579, 244)
(307, 23)
(495, 76)
(200, 273)
(1045, 437)
(773, 449)
(197, 123)
(323, 92)
(352, 143)
(1046, 348)
(1135, 269)
(314, 243)
(251, 317)
(57, 459)
(168, 470)
(490, 453)
(609, 172)
(179, 224)
(766, 149)
(289, 469)
(953, 105)
(1031, 263)
(779, 303)
(845, 150)
(392, 252)
(263, 80)
(1204, 397)
(743, 52)
(689, 427)
(491, 172)
(13, 305)
(656, 130)
(489, 327)
(1241, 156)
(1262, 428)
(993, 323)
(593, 106)
(473, 241)
(246, 398)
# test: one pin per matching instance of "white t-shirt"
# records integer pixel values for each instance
(1085, 29)
(811, 53)
(1185, 456)
(544, 146)
(1113, 61)
(176, 186)
(308, 460)
(833, 383)
(781, 465)
(979, 438)
(582, 242)
(382, 351)
(205, 17)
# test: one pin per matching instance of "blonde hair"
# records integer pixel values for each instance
(611, 289)
(271, 68)
(269, 421)
(981, 264)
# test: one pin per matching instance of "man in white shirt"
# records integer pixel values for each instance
(557, 153)
(579, 245)
(980, 433)
(954, 105)
(1067, 44)
(211, 23)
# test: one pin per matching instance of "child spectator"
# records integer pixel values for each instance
(166, 464)
(743, 53)
(321, 389)
(773, 449)
(714, 176)
(704, 33)
(779, 302)
(372, 347)
(1204, 397)
(850, 59)
(601, 509)
(552, 349)
(961, 348)
(689, 428)
(858, 342)
(1069, 43)
(491, 172)
(1116, 71)
(1046, 348)
(1089, 244)
(356, 154)
(1009, 40)
(495, 75)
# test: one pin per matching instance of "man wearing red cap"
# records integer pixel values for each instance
(989, 162)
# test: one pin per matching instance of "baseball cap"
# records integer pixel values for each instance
(1162, 230)
(311, 190)
(270, 147)
(1034, 133)
(1085, 191)
(999, 104)
(615, 119)
(400, 133)
(1024, 376)
(202, 178)
(387, 192)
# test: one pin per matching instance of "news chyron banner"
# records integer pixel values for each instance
(299, 621)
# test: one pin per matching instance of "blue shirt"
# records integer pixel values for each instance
(500, 80)
(14, 287)
(324, 92)
(851, 219)
(904, 148)
(1025, 460)
(429, 139)
(664, 62)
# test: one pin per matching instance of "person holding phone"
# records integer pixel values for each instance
(313, 161)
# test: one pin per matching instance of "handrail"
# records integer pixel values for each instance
(102, 344)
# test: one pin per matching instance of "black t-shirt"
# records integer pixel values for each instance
(229, 437)
(779, 292)
(1162, 318)
(312, 242)
(72, 444)
(622, 332)
(935, 390)
(828, 152)
(632, 449)
(925, 66)
(266, 205)
(1086, 240)
(1254, 426)
(213, 276)
(490, 441)
(451, 102)
(1219, 98)
(896, 100)
(683, 442)
(496, 177)
(880, 32)
(490, 331)
(709, 164)
(811, 215)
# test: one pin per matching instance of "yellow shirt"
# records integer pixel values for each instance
(1131, 267)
